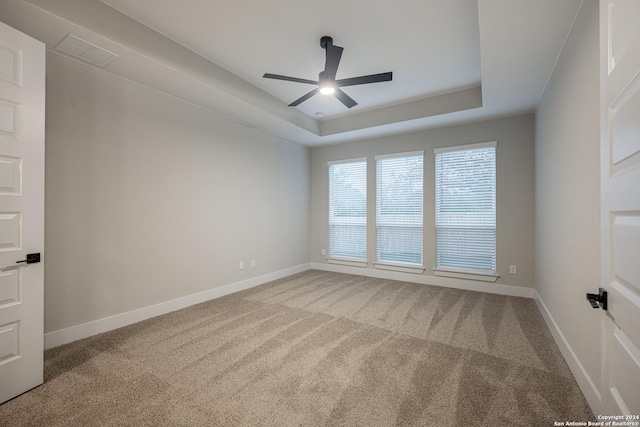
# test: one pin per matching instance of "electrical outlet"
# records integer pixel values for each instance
(241, 265)
(512, 269)
(253, 263)
(324, 252)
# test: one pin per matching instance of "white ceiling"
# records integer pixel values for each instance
(251, 37)
(453, 61)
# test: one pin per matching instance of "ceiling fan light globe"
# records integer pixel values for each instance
(327, 90)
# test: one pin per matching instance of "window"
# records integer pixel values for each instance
(466, 208)
(348, 209)
(399, 182)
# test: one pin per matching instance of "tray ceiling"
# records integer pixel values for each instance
(453, 62)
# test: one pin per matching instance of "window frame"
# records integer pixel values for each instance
(467, 272)
(342, 259)
(384, 264)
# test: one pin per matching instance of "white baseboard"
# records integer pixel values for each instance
(85, 330)
(447, 282)
(589, 389)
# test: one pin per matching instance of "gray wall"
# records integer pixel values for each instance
(568, 191)
(149, 198)
(515, 189)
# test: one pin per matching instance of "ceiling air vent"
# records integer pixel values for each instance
(86, 51)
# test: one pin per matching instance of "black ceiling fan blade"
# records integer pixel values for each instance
(304, 98)
(334, 53)
(289, 79)
(345, 99)
(372, 78)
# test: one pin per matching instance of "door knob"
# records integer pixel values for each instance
(31, 259)
(598, 300)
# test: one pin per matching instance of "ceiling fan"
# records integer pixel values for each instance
(327, 83)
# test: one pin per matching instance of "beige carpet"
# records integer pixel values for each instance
(315, 348)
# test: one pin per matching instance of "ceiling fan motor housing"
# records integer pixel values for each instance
(324, 41)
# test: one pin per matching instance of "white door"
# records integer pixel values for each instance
(620, 172)
(22, 80)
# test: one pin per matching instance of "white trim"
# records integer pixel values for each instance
(465, 147)
(356, 160)
(406, 154)
(354, 262)
(467, 274)
(405, 268)
(587, 386)
(469, 285)
(74, 333)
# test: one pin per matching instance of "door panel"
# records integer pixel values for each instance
(9, 342)
(620, 199)
(22, 106)
(624, 372)
(10, 284)
(625, 144)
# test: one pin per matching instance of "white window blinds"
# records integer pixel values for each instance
(348, 209)
(399, 201)
(466, 207)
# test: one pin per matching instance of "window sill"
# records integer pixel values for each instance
(466, 274)
(405, 268)
(352, 262)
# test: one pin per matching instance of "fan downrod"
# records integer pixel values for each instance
(325, 40)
